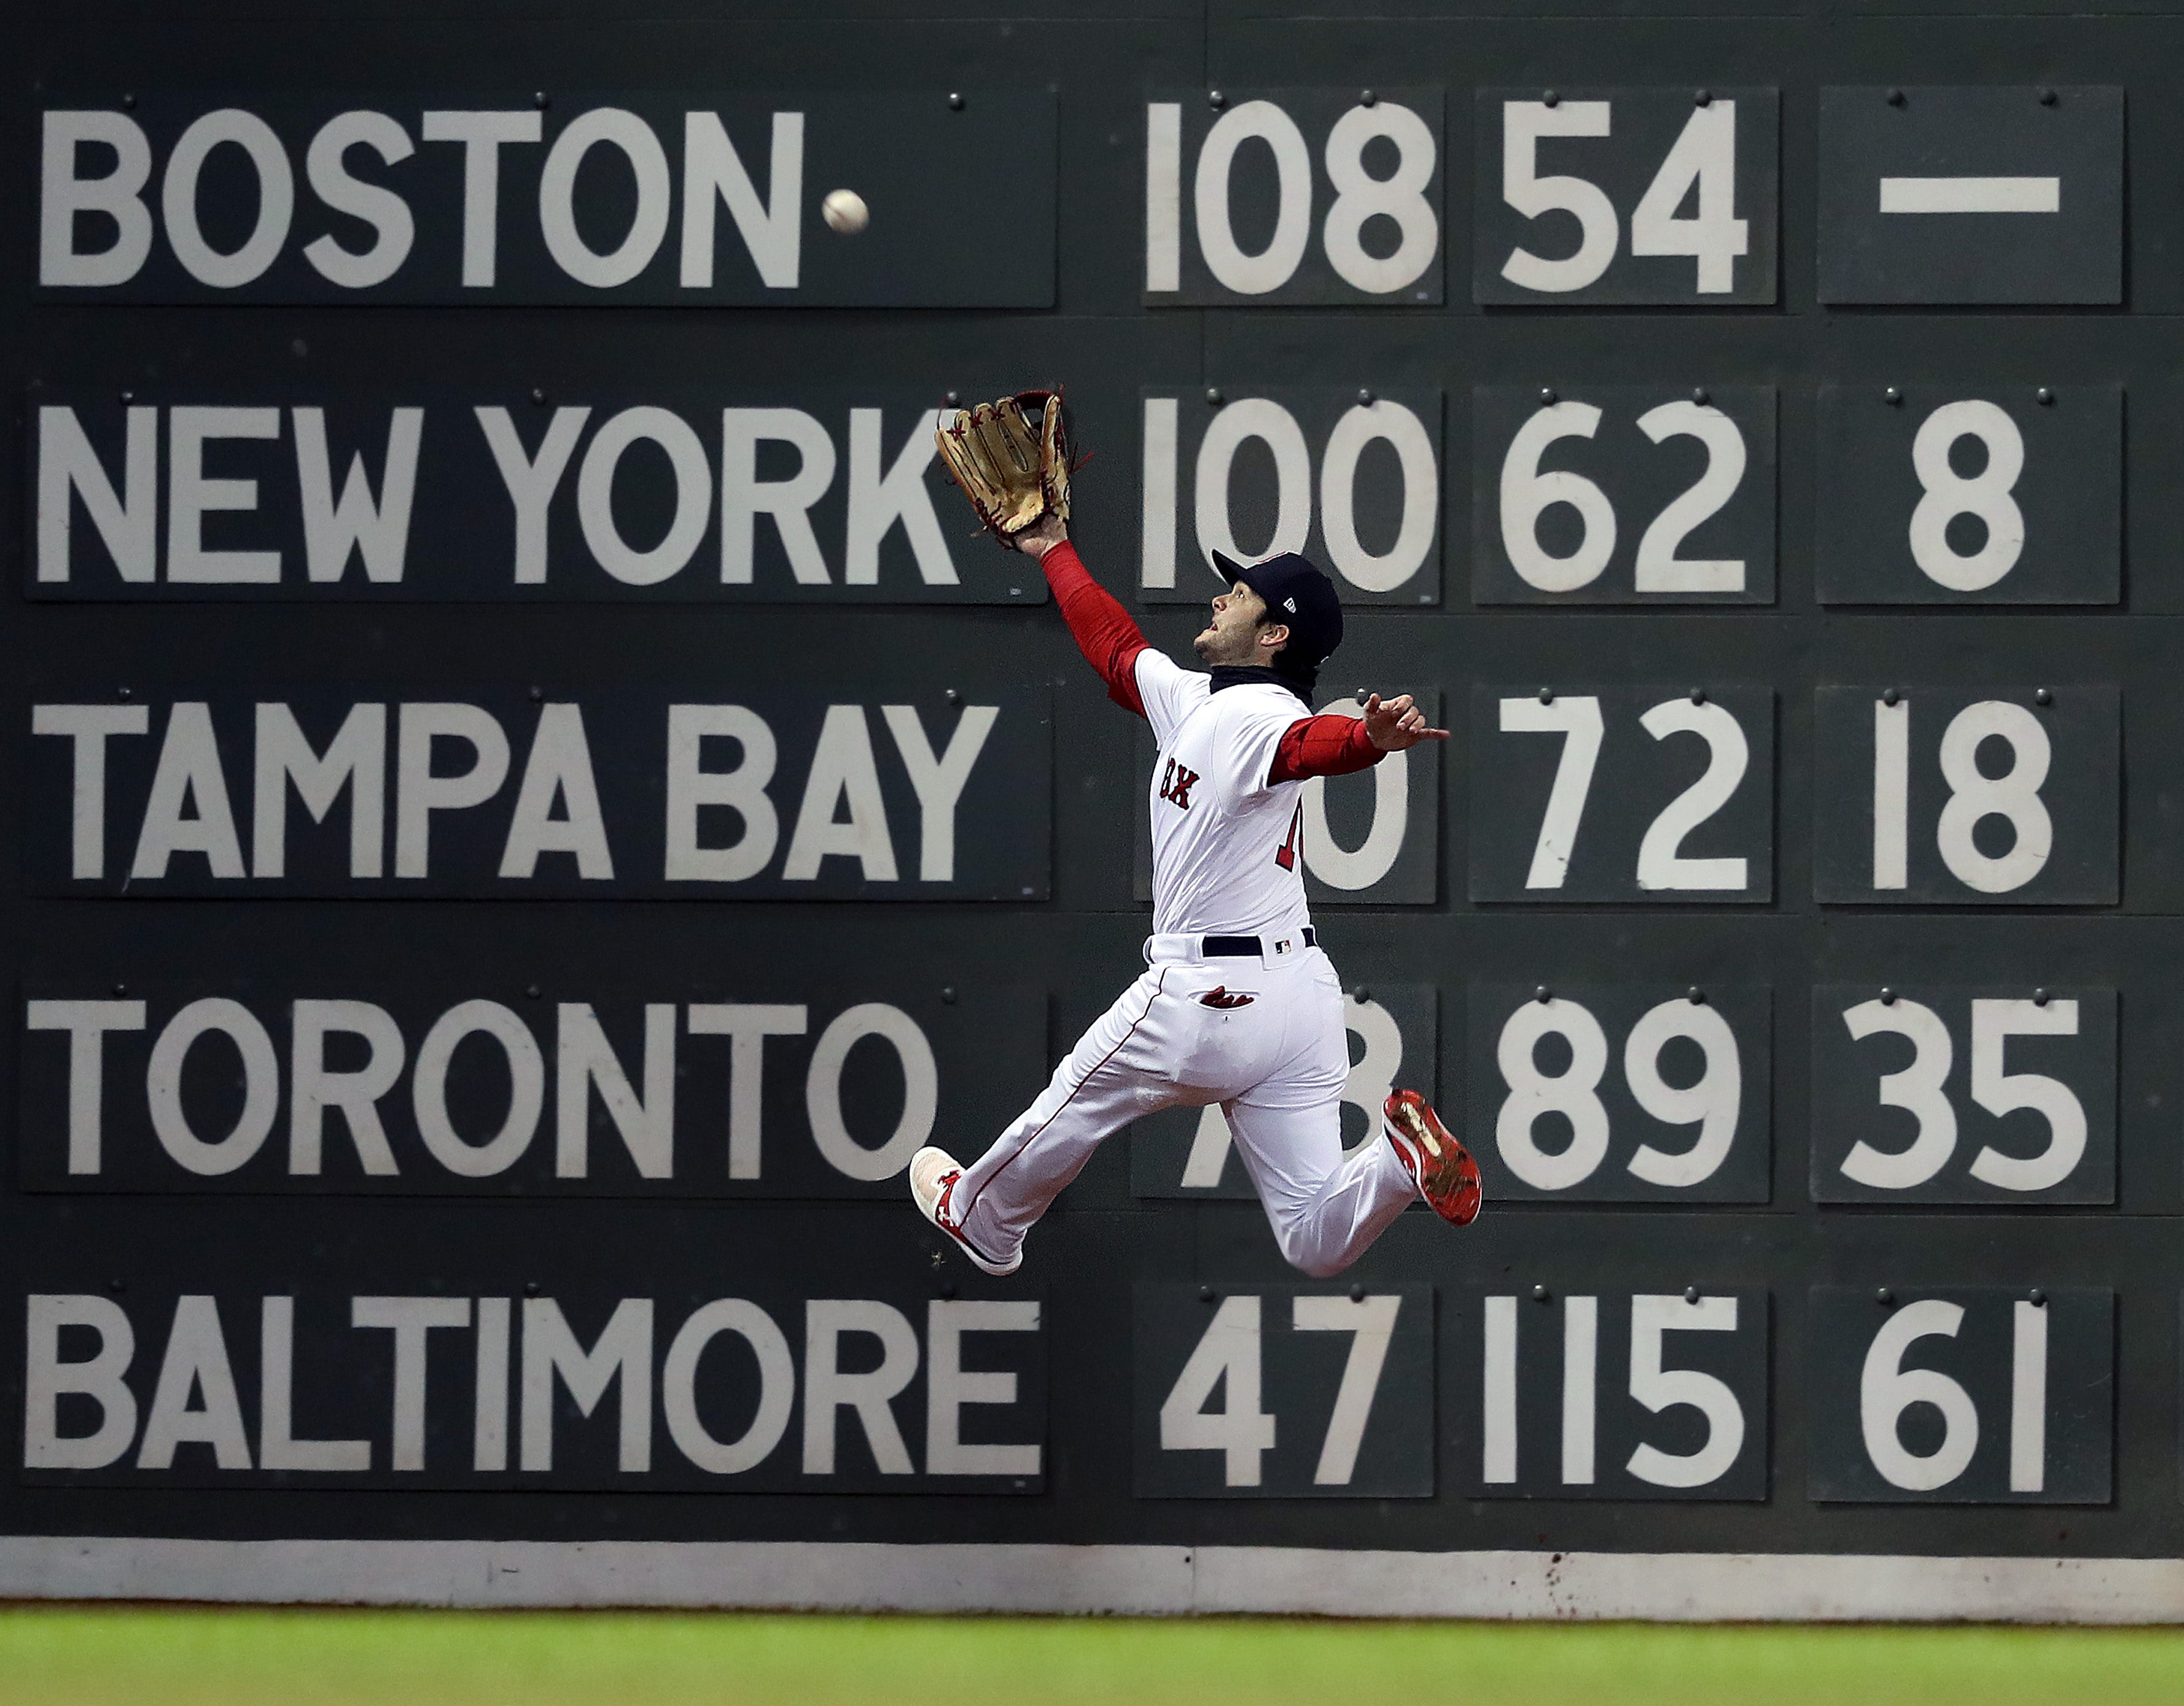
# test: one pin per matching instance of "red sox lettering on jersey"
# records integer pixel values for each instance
(1238, 1005)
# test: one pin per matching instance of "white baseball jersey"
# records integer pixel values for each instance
(1225, 856)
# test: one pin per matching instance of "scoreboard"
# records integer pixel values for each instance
(531, 805)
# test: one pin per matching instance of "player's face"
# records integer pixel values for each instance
(1239, 627)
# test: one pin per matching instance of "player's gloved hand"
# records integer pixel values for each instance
(1012, 460)
(1398, 724)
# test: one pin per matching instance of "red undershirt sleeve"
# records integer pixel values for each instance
(1330, 746)
(1102, 627)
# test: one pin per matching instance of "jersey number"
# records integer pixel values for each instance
(1285, 854)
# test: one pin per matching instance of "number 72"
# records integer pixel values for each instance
(1568, 859)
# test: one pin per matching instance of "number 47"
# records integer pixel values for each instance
(1704, 156)
(1228, 1356)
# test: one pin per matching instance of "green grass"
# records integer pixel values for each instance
(131, 1656)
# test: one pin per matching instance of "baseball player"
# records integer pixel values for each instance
(1237, 1004)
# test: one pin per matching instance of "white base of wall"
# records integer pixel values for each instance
(1145, 1579)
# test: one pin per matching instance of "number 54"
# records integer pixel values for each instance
(1704, 156)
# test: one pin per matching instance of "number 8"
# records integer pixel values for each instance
(2014, 796)
(1948, 494)
(1533, 1093)
(1400, 196)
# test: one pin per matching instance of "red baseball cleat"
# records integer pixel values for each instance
(1440, 1166)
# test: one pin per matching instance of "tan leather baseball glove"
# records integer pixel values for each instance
(1012, 458)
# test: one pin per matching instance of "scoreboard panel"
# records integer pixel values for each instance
(1934, 495)
(1978, 1393)
(1755, 436)
(1996, 796)
(1971, 195)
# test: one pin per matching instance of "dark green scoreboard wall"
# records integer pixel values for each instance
(1825, 1079)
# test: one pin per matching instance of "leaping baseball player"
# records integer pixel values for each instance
(1237, 1004)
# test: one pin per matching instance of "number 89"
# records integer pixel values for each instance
(1712, 1104)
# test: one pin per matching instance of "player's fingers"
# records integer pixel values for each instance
(1372, 704)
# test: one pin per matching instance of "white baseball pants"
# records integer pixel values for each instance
(1276, 1063)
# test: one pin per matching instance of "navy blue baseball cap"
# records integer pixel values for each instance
(1298, 596)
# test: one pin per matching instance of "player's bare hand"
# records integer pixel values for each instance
(1042, 537)
(1398, 724)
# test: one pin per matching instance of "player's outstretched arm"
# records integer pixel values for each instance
(1336, 745)
(1103, 630)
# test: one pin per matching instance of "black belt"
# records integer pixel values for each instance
(1243, 947)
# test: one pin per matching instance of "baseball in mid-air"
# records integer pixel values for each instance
(845, 212)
